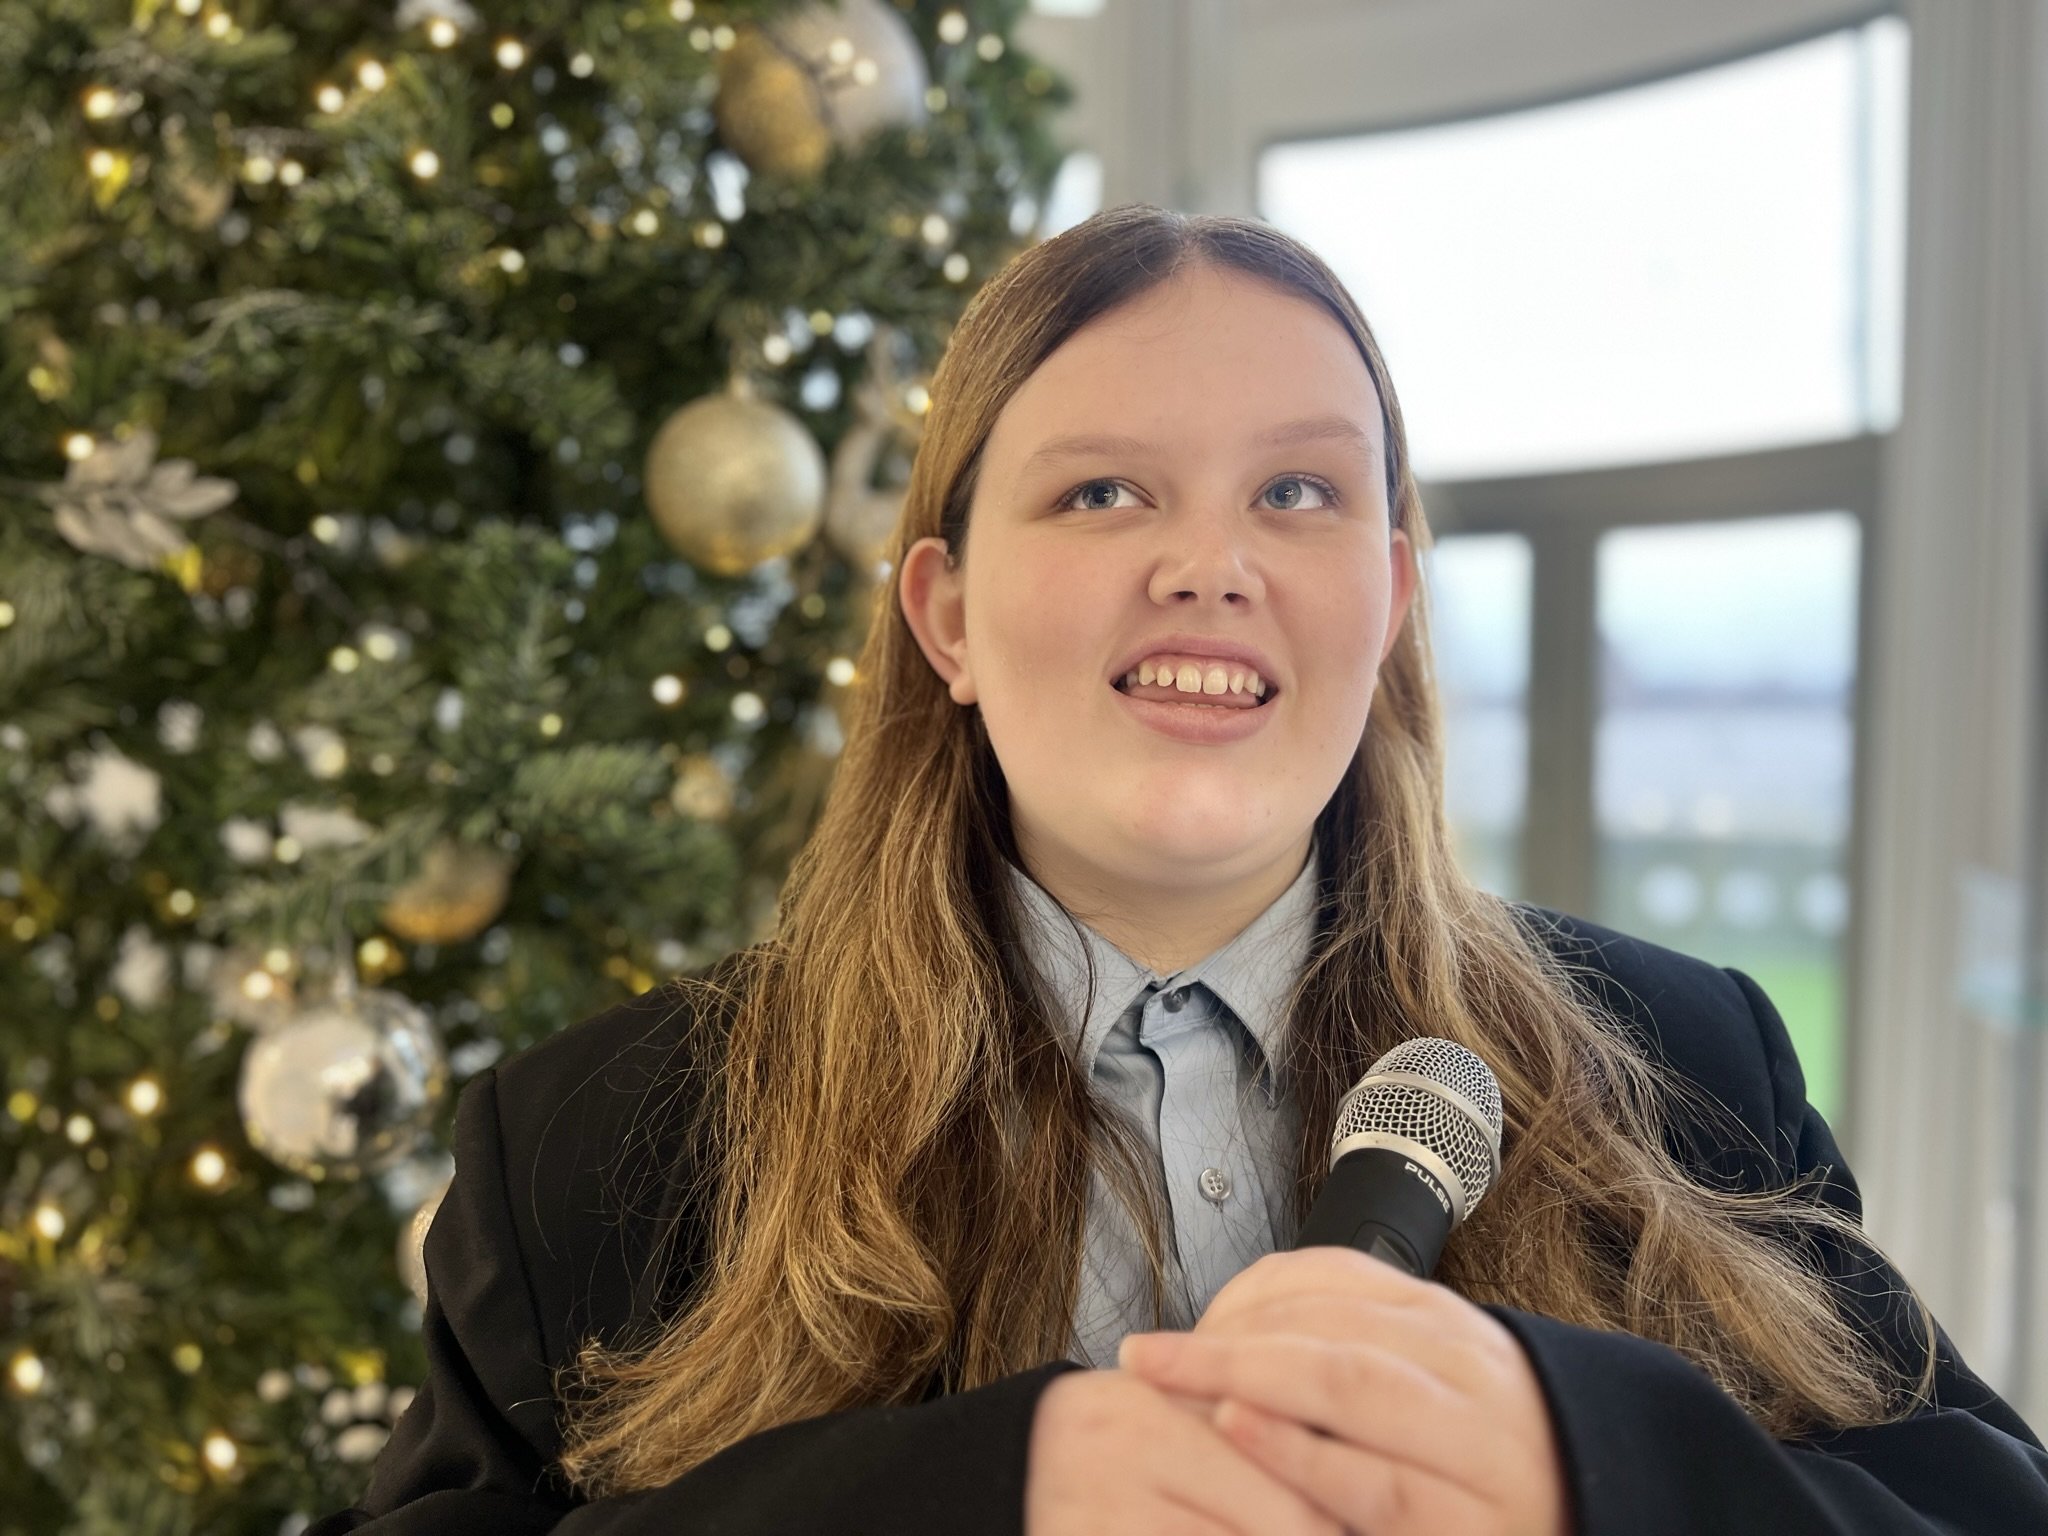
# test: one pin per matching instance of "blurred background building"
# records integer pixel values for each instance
(1720, 332)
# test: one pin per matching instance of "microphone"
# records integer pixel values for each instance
(1416, 1144)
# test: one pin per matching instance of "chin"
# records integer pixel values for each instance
(1169, 838)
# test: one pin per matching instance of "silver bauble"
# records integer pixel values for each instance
(733, 481)
(860, 519)
(240, 987)
(348, 1087)
(412, 1243)
(407, 1183)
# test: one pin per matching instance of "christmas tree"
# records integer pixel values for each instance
(446, 458)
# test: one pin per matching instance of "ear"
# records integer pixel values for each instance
(934, 599)
(1401, 554)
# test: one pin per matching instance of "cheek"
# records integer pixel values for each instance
(1348, 658)
(1036, 633)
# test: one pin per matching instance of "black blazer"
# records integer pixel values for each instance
(563, 1185)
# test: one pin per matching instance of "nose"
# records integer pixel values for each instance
(1207, 558)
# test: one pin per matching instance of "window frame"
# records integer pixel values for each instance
(1563, 516)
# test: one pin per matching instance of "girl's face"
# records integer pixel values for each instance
(1082, 557)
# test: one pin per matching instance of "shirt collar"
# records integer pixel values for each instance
(1252, 975)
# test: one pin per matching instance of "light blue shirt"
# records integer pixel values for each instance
(1192, 1061)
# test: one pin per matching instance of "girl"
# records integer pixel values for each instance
(1135, 859)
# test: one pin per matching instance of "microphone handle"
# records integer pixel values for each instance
(1383, 1203)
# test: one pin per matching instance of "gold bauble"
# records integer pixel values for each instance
(459, 890)
(818, 77)
(767, 110)
(702, 791)
(734, 481)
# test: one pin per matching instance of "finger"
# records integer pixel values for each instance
(1444, 1346)
(1369, 1397)
(1320, 1268)
(1197, 1521)
(1204, 1472)
(1365, 1492)
(1200, 1407)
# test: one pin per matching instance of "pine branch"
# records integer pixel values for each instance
(582, 788)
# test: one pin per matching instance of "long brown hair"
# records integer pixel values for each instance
(901, 1147)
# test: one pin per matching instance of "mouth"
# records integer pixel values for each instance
(1154, 694)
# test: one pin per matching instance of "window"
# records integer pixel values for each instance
(1478, 594)
(1727, 663)
(1645, 344)
(1597, 281)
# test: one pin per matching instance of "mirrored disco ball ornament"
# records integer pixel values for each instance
(348, 1087)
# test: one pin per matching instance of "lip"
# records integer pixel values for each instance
(1188, 722)
(1200, 645)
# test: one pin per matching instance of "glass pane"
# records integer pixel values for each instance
(1699, 265)
(1075, 194)
(1478, 588)
(1725, 753)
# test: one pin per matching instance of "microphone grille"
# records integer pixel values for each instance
(1404, 1094)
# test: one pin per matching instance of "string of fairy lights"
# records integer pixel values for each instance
(110, 167)
(208, 1166)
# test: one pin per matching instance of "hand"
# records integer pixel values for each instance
(1113, 1456)
(1395, 1405)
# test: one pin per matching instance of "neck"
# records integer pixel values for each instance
(1168, 924)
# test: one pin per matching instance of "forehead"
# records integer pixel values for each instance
(1202, 362)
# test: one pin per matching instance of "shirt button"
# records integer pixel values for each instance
(1215, 1185)
(1174, 1001)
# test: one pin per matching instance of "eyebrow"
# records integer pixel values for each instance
(1288, 434)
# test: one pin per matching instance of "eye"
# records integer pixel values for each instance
(1316, 483)
(1067, 502)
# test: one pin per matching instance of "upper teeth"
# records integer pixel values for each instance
(1188, 677)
